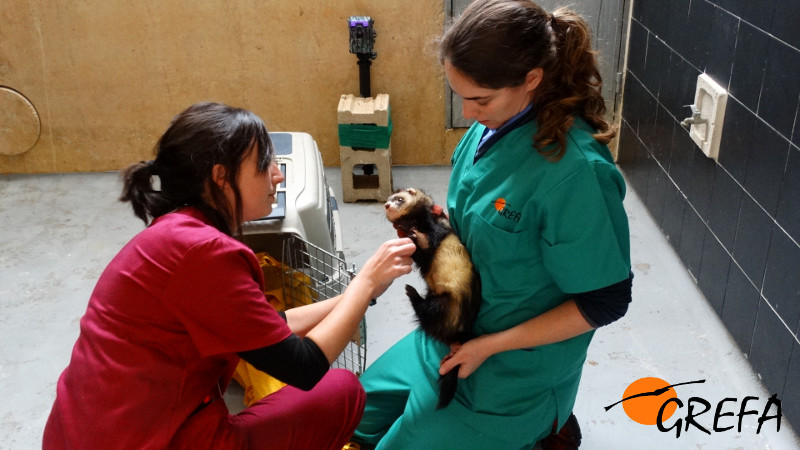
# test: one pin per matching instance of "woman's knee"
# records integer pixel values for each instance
(344, 386)
(342, 389)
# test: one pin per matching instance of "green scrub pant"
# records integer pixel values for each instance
(401, 409)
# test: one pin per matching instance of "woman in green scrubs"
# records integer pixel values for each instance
(536, 198)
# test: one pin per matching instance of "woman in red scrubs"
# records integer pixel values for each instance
(179, 305)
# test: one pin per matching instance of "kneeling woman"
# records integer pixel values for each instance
(180, 304)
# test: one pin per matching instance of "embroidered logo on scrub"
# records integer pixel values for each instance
(503, 209)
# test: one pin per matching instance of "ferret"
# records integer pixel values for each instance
(450, 306)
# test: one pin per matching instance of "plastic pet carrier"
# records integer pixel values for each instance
(303, 232)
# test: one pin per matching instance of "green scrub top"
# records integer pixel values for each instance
(537, 231)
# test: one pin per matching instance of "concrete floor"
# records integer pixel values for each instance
(59, 232)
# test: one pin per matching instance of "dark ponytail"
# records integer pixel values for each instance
(137, 180)
(497, 42)
(200, 137)
(572, 86)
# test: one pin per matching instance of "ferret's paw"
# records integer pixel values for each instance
(412, 293)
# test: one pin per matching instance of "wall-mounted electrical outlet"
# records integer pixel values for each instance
(708, 113)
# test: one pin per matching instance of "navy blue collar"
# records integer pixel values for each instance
(492, 136)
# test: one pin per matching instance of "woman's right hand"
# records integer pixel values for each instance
(391, 260)
(333, 322)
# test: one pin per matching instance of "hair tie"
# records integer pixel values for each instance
(150, 166)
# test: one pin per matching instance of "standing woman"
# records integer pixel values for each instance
(179, 305)
(536, 198)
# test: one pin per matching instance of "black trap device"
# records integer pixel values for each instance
(362, 42)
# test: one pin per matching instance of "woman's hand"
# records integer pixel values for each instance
(332, 323)
(391, 260)
(470, 355)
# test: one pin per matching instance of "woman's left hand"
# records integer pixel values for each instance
(470, 355)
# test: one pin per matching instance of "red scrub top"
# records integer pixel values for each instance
(160, 336)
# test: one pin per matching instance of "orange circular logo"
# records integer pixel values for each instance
(644, 397)
(499, 204)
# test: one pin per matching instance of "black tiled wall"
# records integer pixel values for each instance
(735, 223)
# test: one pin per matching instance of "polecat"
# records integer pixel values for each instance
(448, 311)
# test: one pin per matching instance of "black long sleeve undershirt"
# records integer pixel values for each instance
(603, 306)
(295, 361)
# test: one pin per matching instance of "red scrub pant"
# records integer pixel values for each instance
(322, 418)
(290, 419)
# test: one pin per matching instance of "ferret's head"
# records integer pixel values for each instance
(404, 201)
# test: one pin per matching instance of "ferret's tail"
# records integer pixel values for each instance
(447, 387)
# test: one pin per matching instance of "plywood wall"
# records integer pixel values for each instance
(102, 79)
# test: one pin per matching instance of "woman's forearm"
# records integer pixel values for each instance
(335, 330)
(563, 322)
(560, 323)
(302, 319)
(331, 324)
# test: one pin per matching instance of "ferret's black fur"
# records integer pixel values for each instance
(450, 306)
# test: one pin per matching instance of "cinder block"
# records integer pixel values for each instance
(377, 186)
(355, 110)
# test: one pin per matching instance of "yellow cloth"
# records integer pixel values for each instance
(297, 290)
(256, 383)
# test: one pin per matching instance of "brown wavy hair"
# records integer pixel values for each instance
(497, 42)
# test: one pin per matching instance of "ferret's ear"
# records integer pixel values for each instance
(412, 191)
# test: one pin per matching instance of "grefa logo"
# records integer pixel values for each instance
(652, 401)
(503, 208)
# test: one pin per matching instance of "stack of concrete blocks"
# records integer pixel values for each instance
(377, 186)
